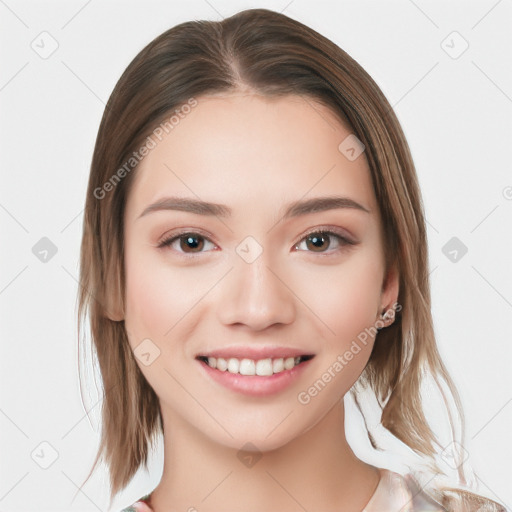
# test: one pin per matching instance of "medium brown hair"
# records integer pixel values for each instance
(268, 53)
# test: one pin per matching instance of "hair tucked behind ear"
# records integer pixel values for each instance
(268, 53)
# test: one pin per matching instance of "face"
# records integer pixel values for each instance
(266, 279)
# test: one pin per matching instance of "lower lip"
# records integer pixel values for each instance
(256, 385)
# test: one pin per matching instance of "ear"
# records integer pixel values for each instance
(114, 314)
(390, 289)
(113, 300)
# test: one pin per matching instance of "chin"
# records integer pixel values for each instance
(254, 441)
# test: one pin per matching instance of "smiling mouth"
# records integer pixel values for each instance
(261, 367)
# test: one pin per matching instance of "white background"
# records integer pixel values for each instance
(456, 114)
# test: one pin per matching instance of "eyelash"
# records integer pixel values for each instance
(344, 242)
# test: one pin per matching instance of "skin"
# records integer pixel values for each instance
(254, 155)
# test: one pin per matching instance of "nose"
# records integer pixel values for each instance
(256, 295)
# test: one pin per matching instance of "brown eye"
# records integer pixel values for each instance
(189, 243)
(317, 242)
(320, 241)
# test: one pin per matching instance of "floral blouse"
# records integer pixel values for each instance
(394, 493)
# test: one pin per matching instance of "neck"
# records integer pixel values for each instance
(315, 471)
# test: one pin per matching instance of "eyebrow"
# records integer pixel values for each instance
(294, 209)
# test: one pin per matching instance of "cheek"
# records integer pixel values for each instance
(345, 298)
(162, 300)
(152, 303)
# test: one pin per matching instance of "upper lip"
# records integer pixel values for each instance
(255, 353)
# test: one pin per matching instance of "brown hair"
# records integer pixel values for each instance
(268, 53)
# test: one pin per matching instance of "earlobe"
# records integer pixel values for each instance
(115, 315)
(391, 287)
(113, 312)
(113, 307)
(389, 296)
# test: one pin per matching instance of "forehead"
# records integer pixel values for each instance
(249, 150)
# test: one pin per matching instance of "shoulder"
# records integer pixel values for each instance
(397, 492)
(404, 493)
(462, 500)
(141, 505)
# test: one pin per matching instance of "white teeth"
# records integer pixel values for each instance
(278, 365)
(233, 365)
(264, 367)
(289, 363)
(261, 367)
(222, 364)
(247, 367)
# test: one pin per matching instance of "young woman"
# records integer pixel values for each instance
(254, 248)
